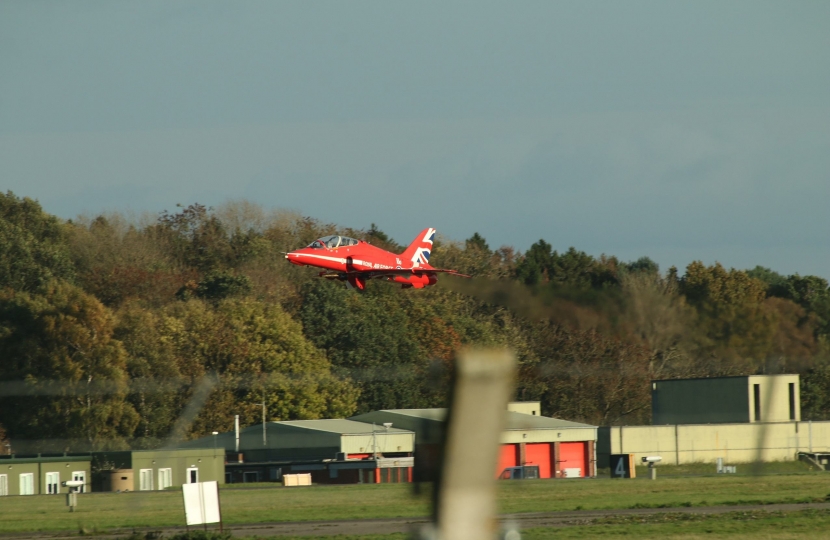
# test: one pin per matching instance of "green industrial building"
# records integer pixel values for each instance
(148, 470)
(42, 475)
(332, 450)
(725, 400)
(309, 440)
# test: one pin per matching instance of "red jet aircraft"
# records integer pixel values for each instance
(357, 261)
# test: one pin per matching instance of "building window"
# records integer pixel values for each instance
(165, 478)
(192, 475)
(4, 485)
(792, 401)
(145, 480)
(53, 483)
(80, 476)
(27, 484)
(250, 476)
(756, 390)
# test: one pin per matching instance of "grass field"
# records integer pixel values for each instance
(735, 526)
(103, 511)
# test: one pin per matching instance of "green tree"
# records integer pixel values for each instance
(33, 245)
(536, 264)
(216, 285)
(381, 239)
(60, 343)
(813, 294)
(731, 315)
(815, 393)
(571, 270)
(641, 265)
(775, 281)
(396, 346)
(368, 338)
(199, 239)
(473, 257)
(154, 370)
(477, 242)
(258, 351)
(118, 261)
(656, 315)
(587, 376)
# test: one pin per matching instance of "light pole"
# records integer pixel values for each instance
(215, 433)
(374, 444)
(386, 426)
(264, 437)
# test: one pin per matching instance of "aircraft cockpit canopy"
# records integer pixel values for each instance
(333, 241)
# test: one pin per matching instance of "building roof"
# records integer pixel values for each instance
(726, 377)
(338, 425)
(515, 420)
(13, 459)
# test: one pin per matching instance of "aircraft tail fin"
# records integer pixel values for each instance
(420, 248)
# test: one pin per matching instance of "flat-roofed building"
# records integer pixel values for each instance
(533, 408)
(723, 400)
(154, 470)
(42, 475)
(559, 448)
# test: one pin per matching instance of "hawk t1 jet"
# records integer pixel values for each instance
(356, 261)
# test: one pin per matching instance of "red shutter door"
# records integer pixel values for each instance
(573, 455)
(538, 454)
(508, 457)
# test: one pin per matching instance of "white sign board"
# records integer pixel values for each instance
(201, 503)
(296, 479)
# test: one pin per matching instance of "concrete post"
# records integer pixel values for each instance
(465, 507)
(557, 471)
(236, 431)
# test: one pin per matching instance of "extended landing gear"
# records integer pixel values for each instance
(354, 282)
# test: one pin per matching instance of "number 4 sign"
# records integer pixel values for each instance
(622, 466)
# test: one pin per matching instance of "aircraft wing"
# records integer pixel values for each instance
(407, 271)
(440, 271)
(401, 272)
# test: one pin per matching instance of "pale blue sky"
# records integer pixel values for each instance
(677, 130)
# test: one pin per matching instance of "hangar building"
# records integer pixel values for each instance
(332, 450)
(558, 447)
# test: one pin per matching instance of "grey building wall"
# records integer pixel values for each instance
(700, 401)
(704, 443)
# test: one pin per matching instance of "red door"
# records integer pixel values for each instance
(573, 455)
(508, 457)
(538, 454)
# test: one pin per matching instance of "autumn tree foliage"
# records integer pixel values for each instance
(161, 327)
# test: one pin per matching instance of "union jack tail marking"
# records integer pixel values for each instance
(420, 248)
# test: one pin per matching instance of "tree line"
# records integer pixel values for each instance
(118, 331)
